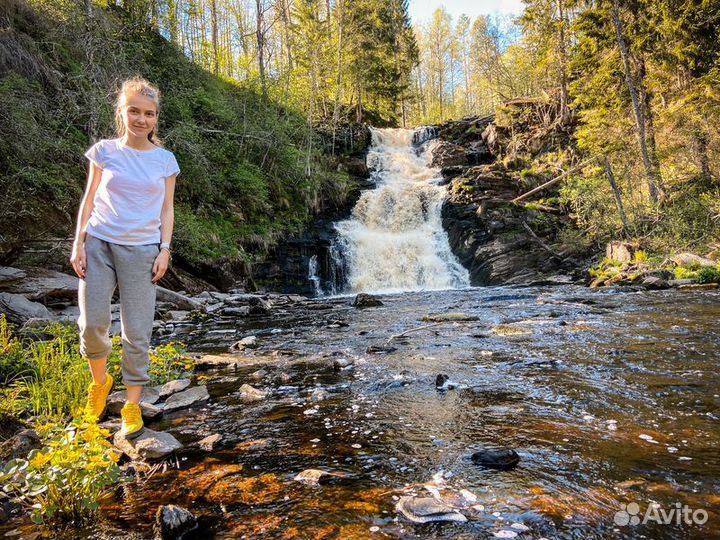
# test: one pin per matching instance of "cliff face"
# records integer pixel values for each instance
(488, 162)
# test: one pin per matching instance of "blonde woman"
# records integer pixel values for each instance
(125, 224)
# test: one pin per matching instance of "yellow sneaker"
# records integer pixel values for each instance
(132, 422)
(97, 398)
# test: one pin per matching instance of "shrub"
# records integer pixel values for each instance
(640, 256)
(708, 275)
(66, 479)
(685, 273)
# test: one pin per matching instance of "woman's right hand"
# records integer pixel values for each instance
(78, 260)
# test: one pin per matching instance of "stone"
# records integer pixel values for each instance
(173, 522)
(41, 284)
(655, 283)
(443, 382)
(690, 259)
(354, 166)
(364, 300)
(212, 361)
(447, 154)
(19, 445)
(427, 510)
(502, 458)
(343, 363)
(149, 445)
(319, 394)
(178, 300)
(249, 342)
(19, 309)
(380, 349)
(172, 387)
(9, 276)
(258, 375)
(699, 286)
(178, 314)
(681, 282)
(186, 398)
(116, 400)
(241, 311)
(621, 251)
(313, 477)
(250, 393)
(210, 442)
(449, 317)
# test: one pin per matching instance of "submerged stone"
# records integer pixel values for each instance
(427, 510)
(503, 458)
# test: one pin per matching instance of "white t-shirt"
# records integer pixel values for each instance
(130, 196)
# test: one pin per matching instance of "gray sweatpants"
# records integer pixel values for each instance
(130, 269)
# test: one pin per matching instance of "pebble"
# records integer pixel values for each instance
(505, 534)
(647, 438)
(374, 528)
(356, 445)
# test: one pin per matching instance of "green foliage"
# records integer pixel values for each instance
(685, 273)
(14, 361)
(65, 480)
(640, 256)
(709, 275)
(167, 362)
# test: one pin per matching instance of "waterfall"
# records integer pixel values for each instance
(394, 240)
(313, 275)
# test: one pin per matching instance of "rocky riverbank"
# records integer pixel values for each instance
(489, 161)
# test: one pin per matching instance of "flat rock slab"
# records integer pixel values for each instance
(19, 309)
(187, 398)
(9, 275)
(150, 445)
(40, 283)
(250, 393)
(427, 510)
(449, 317)
(210, 442)
(172, 387)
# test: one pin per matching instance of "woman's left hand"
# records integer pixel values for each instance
(161, 265)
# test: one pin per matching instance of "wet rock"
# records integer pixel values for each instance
(318, 306)
(699, 286)
(210, 361)
(242, 311)
(681, 282)
(149, 445)
(343, 363)
(380, 349)
(281, 378)
(173, 522)
(249, 342)
(503, 458)
(250, 393)
(655, 283)
(172, 387)
(258, 375)
(319, 394)
(443, 382)
(210, 442)
(364, 300)
(186, 398)
(6, 508)
(19, 445)
(19, 309)
(354, 166)
(447, 154)
(448, 317)
(314, 477)
(427, 510)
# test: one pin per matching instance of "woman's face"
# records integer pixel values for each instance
(140, 114)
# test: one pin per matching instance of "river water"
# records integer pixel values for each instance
(610, 397)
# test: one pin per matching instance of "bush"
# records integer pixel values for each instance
(708, 275)
(66, 479)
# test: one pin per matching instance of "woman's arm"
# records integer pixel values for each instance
(77, 259)
(167, 221)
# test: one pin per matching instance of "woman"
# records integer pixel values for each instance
(125, 224)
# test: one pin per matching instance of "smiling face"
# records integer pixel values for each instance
(140, 115)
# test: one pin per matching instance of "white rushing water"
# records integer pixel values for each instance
(394, 240)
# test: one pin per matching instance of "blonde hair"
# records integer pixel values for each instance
(134, 86)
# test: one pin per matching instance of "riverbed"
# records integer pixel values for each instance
(609, 397)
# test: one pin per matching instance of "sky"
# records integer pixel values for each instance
(422, 10)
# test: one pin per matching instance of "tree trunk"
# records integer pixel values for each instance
(637, 109)
(562, 45)
(214, 36)
(260, 33)
(618, 196)
(338, 77)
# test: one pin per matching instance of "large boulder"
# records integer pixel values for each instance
(19, 309)
(149, 445)
(43, 284)
(364, 300)
(10, 276)
(447, 154)
(187, 398)
(690, 259)
(621, 251)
